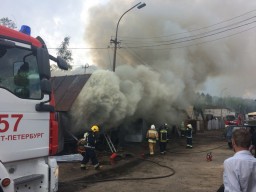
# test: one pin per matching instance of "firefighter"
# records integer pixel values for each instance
(152, 137)
(90, 154)
(163, 138)
(189, 131)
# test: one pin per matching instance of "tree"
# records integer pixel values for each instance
(64, 52)
(5, 21)
(208, 99)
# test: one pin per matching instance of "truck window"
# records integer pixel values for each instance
(19, 73)
(230, 117)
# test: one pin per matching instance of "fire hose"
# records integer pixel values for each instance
(154, 162)
(172, 172)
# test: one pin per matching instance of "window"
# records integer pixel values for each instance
(19, 73)
(230, 117)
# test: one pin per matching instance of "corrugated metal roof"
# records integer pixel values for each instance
(66, 90)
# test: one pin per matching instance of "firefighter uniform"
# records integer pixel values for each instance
(163, 138)
(90, 148)
(189, 131)
(152, 137)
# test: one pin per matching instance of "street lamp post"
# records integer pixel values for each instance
(139, 6)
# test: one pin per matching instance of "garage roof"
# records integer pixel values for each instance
(66, 90)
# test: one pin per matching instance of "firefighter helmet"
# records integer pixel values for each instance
(95, 128)
(153, 127)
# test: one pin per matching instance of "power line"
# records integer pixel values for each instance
(180, 40)
(136, 56)
(192, 39)
(169, 48)
(124, 58)
(191, 30)
(191, 36)
(82, 48)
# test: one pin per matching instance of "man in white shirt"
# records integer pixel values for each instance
(240, 170)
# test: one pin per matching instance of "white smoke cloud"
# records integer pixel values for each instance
(132, 92)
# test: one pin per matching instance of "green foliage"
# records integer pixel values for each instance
(208, 99)
(5, 21)
(64, 52)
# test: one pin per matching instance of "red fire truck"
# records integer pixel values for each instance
(28, 128)
(233, 120)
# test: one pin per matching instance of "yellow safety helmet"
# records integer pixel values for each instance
(95, 128)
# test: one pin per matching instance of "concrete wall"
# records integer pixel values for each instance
(216, 123)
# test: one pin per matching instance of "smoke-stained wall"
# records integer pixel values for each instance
(162, 60)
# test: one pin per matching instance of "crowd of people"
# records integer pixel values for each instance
(162, 136)
(239, 174)
(86, 145)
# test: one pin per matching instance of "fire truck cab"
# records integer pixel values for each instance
(28, 128)
(232, 120)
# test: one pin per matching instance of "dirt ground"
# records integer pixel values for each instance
(181, 169)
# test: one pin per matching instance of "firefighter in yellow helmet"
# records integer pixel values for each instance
(152, 136)
(90, 141)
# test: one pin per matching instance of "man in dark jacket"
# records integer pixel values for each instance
(90, 154)
(163, 138)
(189, 132)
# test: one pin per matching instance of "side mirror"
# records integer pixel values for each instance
(62, 64)
(43, 63)
(41, 107)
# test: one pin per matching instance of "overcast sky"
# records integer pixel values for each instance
(53, 20)
(226, 61)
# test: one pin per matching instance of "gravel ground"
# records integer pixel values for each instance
(180, 170)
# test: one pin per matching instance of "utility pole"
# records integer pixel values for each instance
(139, 6)
(85, 67)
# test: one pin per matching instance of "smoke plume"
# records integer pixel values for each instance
(163, 60)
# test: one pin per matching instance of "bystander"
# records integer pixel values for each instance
(239, 170)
